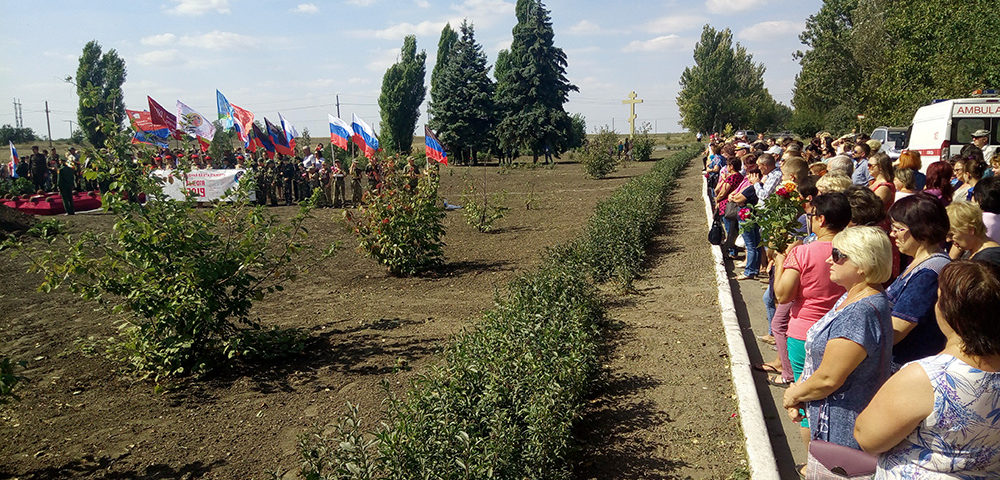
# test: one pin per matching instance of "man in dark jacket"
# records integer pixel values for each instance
(66, 180)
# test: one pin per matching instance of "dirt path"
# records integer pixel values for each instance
(666, 408)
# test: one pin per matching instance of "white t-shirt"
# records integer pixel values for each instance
(311, 161)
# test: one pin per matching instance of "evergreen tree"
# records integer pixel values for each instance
(99, 80)
(463, 114)
(402, 93)
(448, 39)
(532, 86)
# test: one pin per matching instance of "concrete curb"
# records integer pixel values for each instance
(760, 454)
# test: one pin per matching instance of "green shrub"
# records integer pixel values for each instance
(186, 277)
(399, 226)
(601, 157)
(16, 186)
(482, 210)
(642, 144)
(614, 241)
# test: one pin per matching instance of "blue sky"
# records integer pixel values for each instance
(294, 57)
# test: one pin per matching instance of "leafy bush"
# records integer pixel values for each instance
(601, 156)
(482, 210)
(642, 144)
(187, 277)
(17, 186)
(401, 227)
(614, 241)
(504, 401)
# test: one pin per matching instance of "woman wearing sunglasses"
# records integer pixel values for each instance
(848, 350)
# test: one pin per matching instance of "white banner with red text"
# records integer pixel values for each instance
(206, 185)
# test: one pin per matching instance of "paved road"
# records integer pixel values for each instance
(788, 447)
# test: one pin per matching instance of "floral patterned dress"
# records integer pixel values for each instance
(961, 437)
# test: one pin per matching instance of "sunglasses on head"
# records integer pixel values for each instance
(838, 256)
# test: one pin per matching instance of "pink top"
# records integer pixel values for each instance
(816, 294)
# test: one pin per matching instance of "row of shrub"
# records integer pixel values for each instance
(504, 401)
(613, 244)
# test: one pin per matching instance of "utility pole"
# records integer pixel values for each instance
(18, 119)
(70, 127)
(47, 124)
(338, 105)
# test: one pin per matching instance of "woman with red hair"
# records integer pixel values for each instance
(939, 181)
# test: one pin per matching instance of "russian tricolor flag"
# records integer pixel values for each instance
(433, 147)
(14, 160)
(340, 132)
(364, 137)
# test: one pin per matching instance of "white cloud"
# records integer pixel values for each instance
(422, 3)
(675, 23)
(483, 13)
(214, 40)
(585, 27)
(159, 57)
(502, 45)
(361, 3)
(160, 40)
(658, 44)
(731, 6)
(771, 30)
(305, 8)
(400, 30)
(382, 59)
(199, 7)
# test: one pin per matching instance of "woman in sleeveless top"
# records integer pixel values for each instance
(938, 416)
(880, 168)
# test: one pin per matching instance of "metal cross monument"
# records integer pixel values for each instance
(631, 118)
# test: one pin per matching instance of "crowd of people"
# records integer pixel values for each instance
(885, 310)
(281, 179)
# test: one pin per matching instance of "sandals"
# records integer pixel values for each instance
(745, 277)
(766, 368)
(768, 339)
(777, 381)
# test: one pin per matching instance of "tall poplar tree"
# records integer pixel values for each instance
(448, 38)
(402, 93)
(532, 86)
(724, 86)
(463, 112)
(99, 79)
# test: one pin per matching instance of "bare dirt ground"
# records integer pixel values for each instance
(80, 416)
(666, 408)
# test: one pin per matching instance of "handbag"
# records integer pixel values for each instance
(715, 234)
(732, 210)
(830, 461)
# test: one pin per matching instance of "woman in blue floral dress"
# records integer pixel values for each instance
(939, 416)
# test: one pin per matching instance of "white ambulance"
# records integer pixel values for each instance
(941, 129)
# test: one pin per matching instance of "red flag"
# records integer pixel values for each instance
(203, 143)
(242, 120)
(160, 115)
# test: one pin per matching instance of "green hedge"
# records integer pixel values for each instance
(504, 401)
(614, 242)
